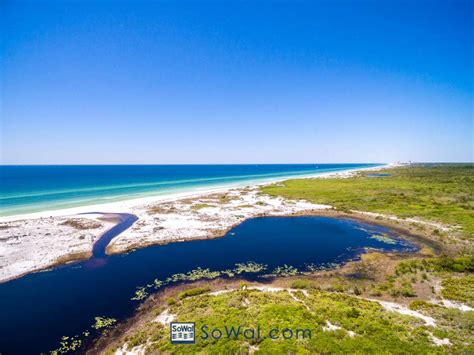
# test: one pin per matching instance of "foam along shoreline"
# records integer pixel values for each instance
(122, 206)
(38, 241)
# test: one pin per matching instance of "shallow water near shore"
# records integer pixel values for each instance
(27, 189)
(38, 309)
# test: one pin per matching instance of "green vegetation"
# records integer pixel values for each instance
(384, 239)
(444, 264)
(251, 267)
(439, 193)
(193, 292)
(67, 344)
(302, 284)
(71, 344)
(200, 206)
(200, 274)
(376, 330)
(193, 275)
(140, 294)
(225, 198)
(103, 322)
(452, 323)
(459, 289)
(285, 270)
(456, 276)
(240, 268)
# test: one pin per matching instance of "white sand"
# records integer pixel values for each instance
(137, 350)
(439, 342)
(329, 327)
(126, 205)
(456, 305)
(165, 317)
(34, 244)
(395, 307)
(439, 226)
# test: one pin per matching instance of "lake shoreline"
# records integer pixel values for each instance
(144, 312)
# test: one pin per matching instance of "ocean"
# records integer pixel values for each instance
(35, 188)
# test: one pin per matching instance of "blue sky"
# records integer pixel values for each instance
(236, 81)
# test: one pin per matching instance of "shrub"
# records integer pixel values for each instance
(170, 301)
(193, 292)
(353, 313)
(199, 206)
(301, 284)
(407, 292)
(459, 289)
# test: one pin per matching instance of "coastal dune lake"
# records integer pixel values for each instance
(40, 308)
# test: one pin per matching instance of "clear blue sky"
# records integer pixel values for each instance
(236, 81)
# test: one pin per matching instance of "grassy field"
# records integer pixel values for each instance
(438, 193)
(361, 326)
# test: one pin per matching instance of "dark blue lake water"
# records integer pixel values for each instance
(38, 309)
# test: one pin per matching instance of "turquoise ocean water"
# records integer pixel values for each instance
(26, 189)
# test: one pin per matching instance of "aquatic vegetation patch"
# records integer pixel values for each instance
(229, 273)
(71, 344)
(157, 284)
(140, 294)
(311, 268)
(384, 238)
(103, 322)
(249, 267)
(198, 274)
(285, 270)
(193, 275)
(67, 345)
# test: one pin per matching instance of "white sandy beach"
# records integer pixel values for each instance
(37, 241)
(126, 205)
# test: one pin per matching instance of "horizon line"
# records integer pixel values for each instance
(177, 164)
(190, 164)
